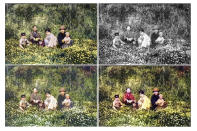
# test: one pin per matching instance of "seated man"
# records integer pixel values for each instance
(50, 40)
(144, 39)
(61, 36)
(117, 42)
(35, 37)
(23, 41)
(128, 98)
(35, 99)
(154, 98)
(129, 37)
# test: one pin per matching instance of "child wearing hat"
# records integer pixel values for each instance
(23, 41)
(117, 104)
(23, 104)
(117, 42)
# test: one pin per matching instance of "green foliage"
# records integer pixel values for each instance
(82, 52)
(77, 116)
(79, 19)
(173, 115)
(174, 83)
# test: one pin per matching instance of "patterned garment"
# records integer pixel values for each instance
(50, 103)
(50, 40)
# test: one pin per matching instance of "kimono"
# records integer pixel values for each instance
(154, 37)
(160, 40)
(144, 103)
(154, 98)
(60, 37)
(50, 103)
(117, 103)
(67, 103)
(60, 99)
(144, 40)
(50, 40)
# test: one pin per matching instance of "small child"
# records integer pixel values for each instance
(160, 39)
(117, 42)
(161, 103)
(23, 104)
(67, 38)
(23, 41)
(117, 104)
(67, 102)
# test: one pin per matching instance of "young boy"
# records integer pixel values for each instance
(160, 39)
(67, 38)
(23, 104)
(67, 102)
(117, 42)
(117, 104)
(161, 102)
(23, 41)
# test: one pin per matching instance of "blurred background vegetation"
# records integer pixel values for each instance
(174, 83)
(79, 83)
(79, 19)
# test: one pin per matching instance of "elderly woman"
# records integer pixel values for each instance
(144, 102)
(50, 40)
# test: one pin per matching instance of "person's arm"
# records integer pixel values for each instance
(20, 44)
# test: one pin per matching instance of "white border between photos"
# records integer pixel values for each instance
(193, 66)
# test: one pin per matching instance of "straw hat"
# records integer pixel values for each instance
(62, 90)
(62, 27)
(155, 90)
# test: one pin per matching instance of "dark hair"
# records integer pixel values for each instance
(141, 92)
(116, 96)
(23, 34)
(47, 92)
(34, 26)
(23, 96)
(141, 29)
(47, 30)
(116, 34)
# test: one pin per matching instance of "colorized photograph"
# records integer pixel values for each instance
(50, 33)
(145, 96)
(50, 96)
(144, 34)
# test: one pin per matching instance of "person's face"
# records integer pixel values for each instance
(141, 33)
(35, 90)
(23, 98)
(23, 37)
(34, 28)
(62, 93)
(160, 96)
(67, 34)
(156, 93)
(47, 33)
(160, 34)
(48, 95)
(141, 95)
(67, 97)
(128, 28)
(62, 31)
(156, 30)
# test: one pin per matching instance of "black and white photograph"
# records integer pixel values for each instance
(144, 33)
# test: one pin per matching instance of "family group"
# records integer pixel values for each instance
(63, 39)
(156, 102)
(50, 103)
(142, 40)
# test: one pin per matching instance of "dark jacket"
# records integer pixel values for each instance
(60, 99)
(60, 37)
(154, 36)
(154, 98)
